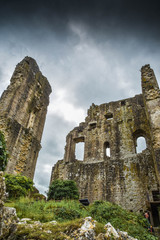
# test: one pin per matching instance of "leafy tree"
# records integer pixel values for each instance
(17, 185)
(3, 153)
(63, 189)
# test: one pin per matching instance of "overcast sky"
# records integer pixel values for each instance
(91, 51)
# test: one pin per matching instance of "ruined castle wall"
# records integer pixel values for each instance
(117, 124)
(125, 176)
(23, 108)
(128, 182)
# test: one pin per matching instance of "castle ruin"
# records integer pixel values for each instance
(23, 108)
(126, 177)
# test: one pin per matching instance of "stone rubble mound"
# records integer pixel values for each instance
(87, 232)
(8, 216)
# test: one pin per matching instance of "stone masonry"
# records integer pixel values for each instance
(125, 177)
(23, 108)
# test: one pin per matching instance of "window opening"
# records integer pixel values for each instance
(109, 116)
(141, 144)
(108, 153)
(123, 103)
(79, 152)
(107, 149)
(92, 125)
(156, 195)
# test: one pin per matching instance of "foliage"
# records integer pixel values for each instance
(67, 214)
(63, 189)
(17, 185)
(66, 210)
(34, 193)
(3, 153)
(135, 224)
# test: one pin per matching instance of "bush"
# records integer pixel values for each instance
(135, 224)
(64, 214)
(63, 189)
(17, 185)
(3, 153)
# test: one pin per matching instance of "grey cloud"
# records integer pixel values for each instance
(1, 74)
(54, 135)
(53, 143)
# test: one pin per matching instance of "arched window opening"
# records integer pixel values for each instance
(107, 149)
(79, 152)
(141, 144)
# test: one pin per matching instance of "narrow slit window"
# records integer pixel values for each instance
(108, 153)
(141, 144)
(107, 149)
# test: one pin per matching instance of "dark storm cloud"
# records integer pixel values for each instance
(109, 17)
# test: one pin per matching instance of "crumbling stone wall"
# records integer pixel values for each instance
(23, 108)
(125, 177)
(8, 217)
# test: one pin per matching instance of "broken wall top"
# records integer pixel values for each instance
(117, 125)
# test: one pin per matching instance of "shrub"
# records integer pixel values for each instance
(64, 214)
(135, 224)
(17, 185)
(3, 153)
(63, 189)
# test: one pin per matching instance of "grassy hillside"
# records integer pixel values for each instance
(69, 215)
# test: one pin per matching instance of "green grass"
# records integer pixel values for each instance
(48, 211)
(71, 210)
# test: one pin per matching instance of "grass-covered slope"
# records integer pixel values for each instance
(69, 215)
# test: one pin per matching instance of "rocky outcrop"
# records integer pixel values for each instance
(23, 108)
(2, 198)
(8, 217)
(86, 231)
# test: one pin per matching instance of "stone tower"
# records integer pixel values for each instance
(23, 108)
(124, 177)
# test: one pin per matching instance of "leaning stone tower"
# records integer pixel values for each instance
(23, 108)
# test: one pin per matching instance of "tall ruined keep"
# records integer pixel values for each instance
(23, 108)
(125, 177)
